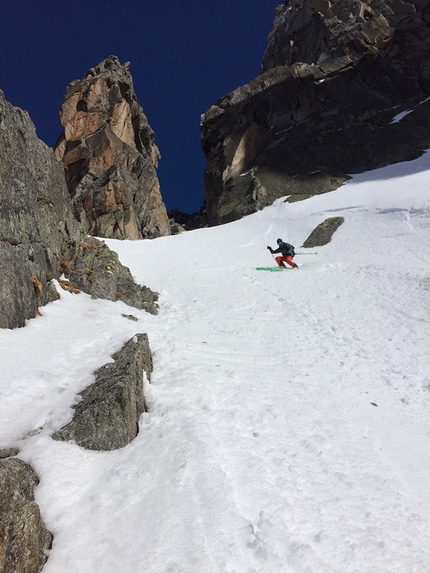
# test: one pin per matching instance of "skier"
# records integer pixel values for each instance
(287, 252)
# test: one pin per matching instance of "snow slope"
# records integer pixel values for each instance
(288, 429)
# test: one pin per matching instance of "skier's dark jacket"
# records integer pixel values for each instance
(286, 249)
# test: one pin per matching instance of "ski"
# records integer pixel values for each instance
(272, 269)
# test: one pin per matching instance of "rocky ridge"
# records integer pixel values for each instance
(109, 156)
(334, 78)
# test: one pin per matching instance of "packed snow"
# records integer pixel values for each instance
(288, 428)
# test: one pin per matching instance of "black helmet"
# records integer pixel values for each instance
(279, 241)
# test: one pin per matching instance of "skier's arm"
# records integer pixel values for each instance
(274, 251)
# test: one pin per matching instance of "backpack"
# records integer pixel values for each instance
(290, 249)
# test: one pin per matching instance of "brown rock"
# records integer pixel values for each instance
(109, 156)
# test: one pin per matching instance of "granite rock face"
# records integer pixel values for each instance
(23, 535)
(35, 218)
(109, 156)
(107, 416)
(334, 78)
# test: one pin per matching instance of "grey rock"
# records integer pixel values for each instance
(334, 76)
(130, 317)
(92, 267)
(109, 156)
(323, 234)
(35, 218)
(8, 453)
(107, 416)
(24, 538)
(32, 433)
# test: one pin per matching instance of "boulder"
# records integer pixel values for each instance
(24, 538)
(334, 78)
(110, 159)
(107, 416)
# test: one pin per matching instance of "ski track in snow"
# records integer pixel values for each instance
(288, 427)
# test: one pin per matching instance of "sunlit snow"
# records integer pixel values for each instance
(288, 428)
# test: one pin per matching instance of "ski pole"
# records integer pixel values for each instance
(273, 256)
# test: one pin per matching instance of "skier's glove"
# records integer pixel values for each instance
(270, 249)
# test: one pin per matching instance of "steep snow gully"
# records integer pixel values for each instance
(288, 428)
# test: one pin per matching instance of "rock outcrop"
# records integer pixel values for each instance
(335, 77)
(92, 267)
(35, 218)
(180, 221)
(24, 538)
(40, 238)
(109, 156)
(8, 453)
(323, 234)
(107, 416)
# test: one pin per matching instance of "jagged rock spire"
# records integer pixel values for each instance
(109, 156)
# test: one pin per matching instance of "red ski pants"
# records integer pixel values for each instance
(288, 259)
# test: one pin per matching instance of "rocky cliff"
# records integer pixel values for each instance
(39, 237)
(35, 218)
(336, 76)
(109, 156)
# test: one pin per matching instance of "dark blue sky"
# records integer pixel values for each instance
(184, 54)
